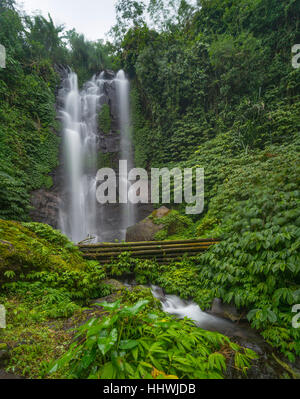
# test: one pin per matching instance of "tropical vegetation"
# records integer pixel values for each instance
(213, 87)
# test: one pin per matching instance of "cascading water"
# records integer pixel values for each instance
(80, 214)
(123, 87)
(180, 308)
(78, 210)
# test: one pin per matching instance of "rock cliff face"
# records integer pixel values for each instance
(45, 207)
(110, 142)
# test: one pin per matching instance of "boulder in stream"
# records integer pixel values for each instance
(227, 311)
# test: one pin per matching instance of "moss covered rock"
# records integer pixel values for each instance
(105, 119)
(33, 246)
(162, 224)
(174, 225)
(147, 228)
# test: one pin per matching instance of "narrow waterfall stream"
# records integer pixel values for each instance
(84, 145)
(122, 84)
(77, 214)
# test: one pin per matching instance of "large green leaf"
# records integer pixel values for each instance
(109, 306)
(106, 343)
(128, 344)
(135, 309)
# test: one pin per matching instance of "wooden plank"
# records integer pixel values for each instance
(150, 252)
(150, 247)
(146, 243)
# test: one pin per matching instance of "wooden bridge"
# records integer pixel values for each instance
(161, 251)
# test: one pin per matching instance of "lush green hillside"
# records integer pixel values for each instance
(226, 70)
(212, 87)
(216, 89)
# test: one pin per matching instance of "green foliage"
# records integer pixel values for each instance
(44, 39)
(28, 144)
(36, 247)
(138, 293)
(225, 70)
(105, 119)
(28, 140)
(219, 93)
(37, 306)
(43, 260)
(44, 302)
(131, 343)
(54, 292)
(253, 205)
(44, 280)
(174, 224)
(257, 264)
(29, 147)
(106, 160)
(212, 87)
(87, 57)
(178, 278)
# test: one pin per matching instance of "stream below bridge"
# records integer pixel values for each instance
(266, 367)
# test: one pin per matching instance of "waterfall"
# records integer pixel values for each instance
(80, 214)
(79, 117)
(122, 85)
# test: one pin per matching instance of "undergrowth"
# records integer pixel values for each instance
(131, 343)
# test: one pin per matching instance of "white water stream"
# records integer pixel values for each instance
(180, 308)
